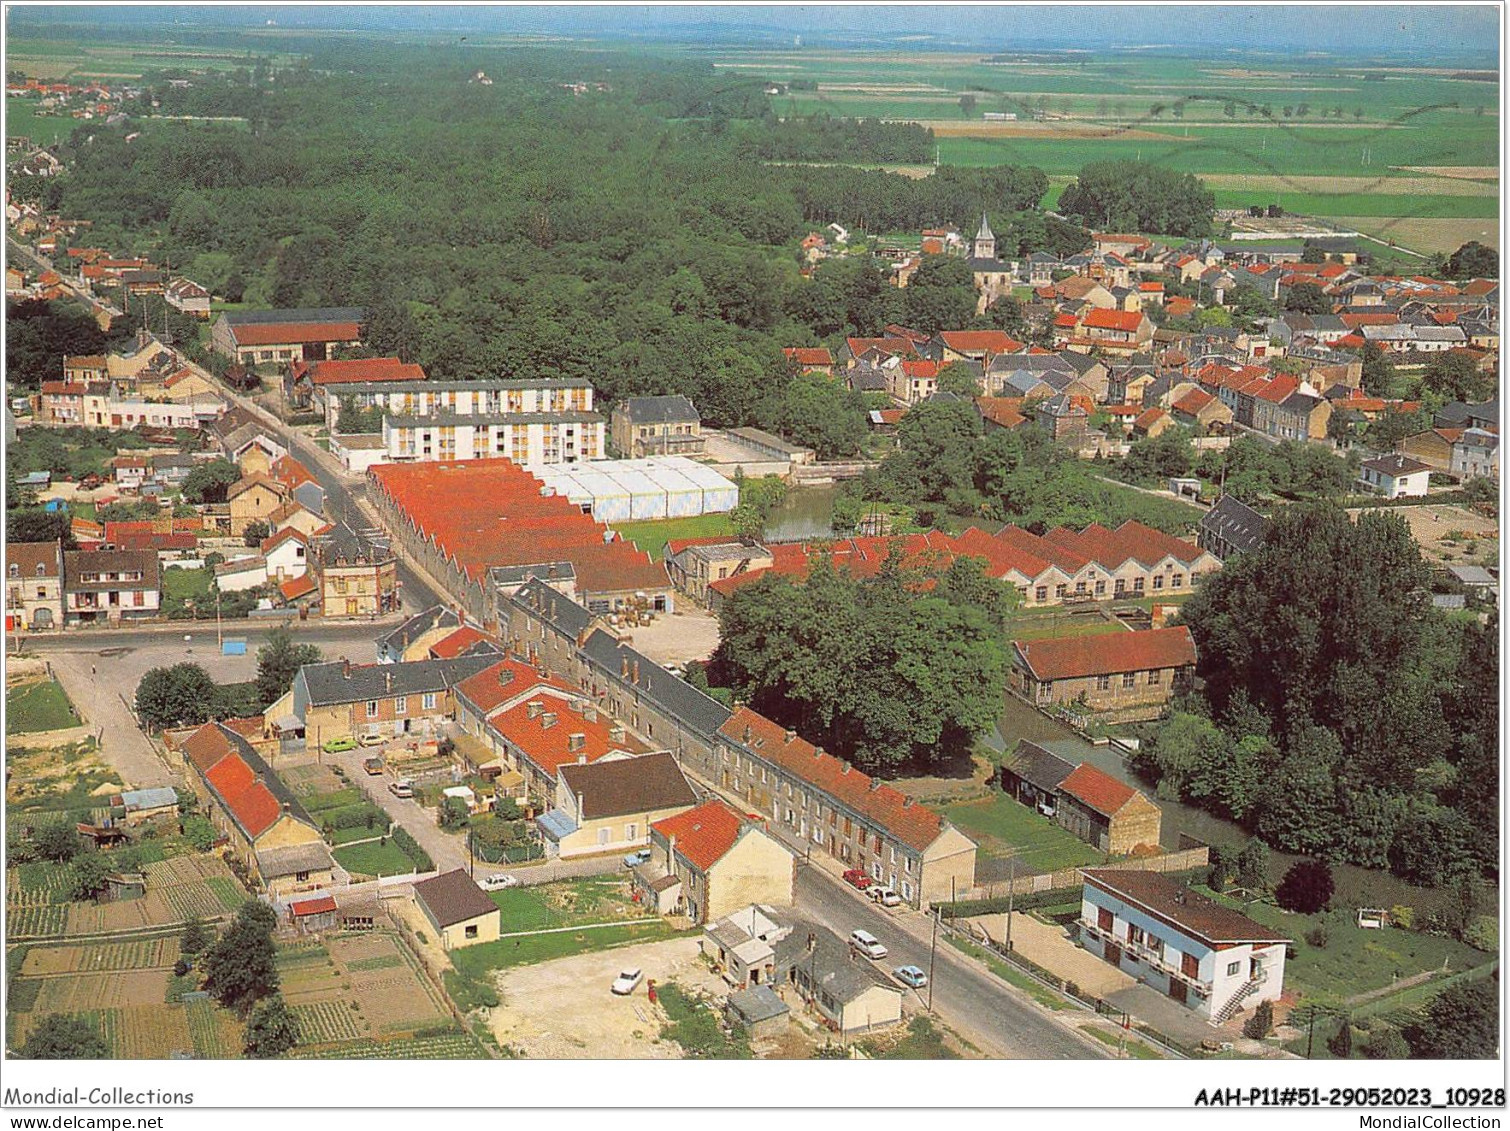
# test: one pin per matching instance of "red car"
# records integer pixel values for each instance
(858, 878)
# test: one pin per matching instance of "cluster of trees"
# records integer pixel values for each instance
(824, 138)
(1472, 261)
(1138, 196)
(241, 973)
(184, 694)
(1251, 469)
(902, 669)
(39, 333)
(945, 464)
(1342, 716)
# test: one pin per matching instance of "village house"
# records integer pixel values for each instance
(254, 499)
(1063, 417)
(1231, 527)
(695, 563)
(810, 360)
(1476, 455)
(33, 586)
(189, 297)
(656, 426)
(1395, 476)
(1152, 423)
(1201, 410)
(1030, 775)
(458, 910)
(266, 824)
(110, 586)
(357, 577)
(1433, 447)
(1107, 814)
(60, 404)
(251, 337)
(1119, 676)
(345, 700)
(315, 383)
(708, 861)
(1199, 952)
(412, 639)
(285, 554)
(533, 724)
(1120, 330)
(609, 805)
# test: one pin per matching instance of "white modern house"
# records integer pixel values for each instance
(1213, 959)
(1395, 476)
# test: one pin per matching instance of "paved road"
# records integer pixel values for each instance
(978, 1005)
(165, 644)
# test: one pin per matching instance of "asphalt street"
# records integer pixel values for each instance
(972, 1001)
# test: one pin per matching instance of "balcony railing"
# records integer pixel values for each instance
(1149, 957)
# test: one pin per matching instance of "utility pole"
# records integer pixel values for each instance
(1311, 1032)
(932, 953)
(1011, 897)
(219, 639)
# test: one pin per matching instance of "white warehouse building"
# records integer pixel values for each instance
(632, 490)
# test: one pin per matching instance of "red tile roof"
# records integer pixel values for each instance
(290, 472)
(805, 356)
(249, 801)
(206, 746)
(927, 370)
(1132, 541)
(1066, 321)
(1193, 401)
(490, 512)
(550, 747)
(359, 371)
(297, 587)
(1003, 411)
(1097, 789)
(272, 542)
(703, 835)
(293, 333)
(898, 346)
(916, 826)
(506, 681)
(1148, 418)
(1128, 320)
(1076, 657)
(449, 647)
(320, 905)
(858, 557)
(980, 341)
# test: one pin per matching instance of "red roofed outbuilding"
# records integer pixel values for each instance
(1107, 813)
(1120, 676)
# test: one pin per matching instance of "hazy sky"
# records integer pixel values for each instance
(1422, 31)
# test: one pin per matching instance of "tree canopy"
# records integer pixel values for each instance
(1139, 196)
(278, 661)
(1473, 261)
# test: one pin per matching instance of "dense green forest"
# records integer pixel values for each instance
(629, 235)
(1341, 715)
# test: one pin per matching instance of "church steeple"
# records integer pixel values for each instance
(985, 240)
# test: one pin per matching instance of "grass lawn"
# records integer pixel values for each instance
(560, 905)
(476, 961)
(183, 585)
(1010, 974)
(1038, 628)
(33, 707)
(374, 859)
(1136, 1050)
(1356, 960)
(1000, 824)
(696, 1028)
(652, 536)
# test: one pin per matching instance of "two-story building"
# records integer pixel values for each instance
(1206, 956)
(252, 337)
(1395, 476)
(657, 426)
(708, 861)
(342, 699)
(1120, 676)
(33, 586)
(357, 577)
(110, 585)
(696, 563)
(609, 805)
(1231, 527)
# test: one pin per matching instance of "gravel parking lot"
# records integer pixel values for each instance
(564, 1010)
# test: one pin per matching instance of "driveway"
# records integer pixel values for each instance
(448, 850)
(99, 688)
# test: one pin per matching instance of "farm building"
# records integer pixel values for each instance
(457, 908)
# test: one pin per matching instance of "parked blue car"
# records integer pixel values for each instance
(634, 858)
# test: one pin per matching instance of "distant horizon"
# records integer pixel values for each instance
(1420, 33)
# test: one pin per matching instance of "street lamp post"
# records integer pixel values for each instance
(932, 953)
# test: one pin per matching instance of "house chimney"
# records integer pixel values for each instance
(581, 759)
(623, 667)
(789, 736)
(345, 668)
(906, 801)
(844, 768)
(387, 681)
(636, 674)
(875, 784)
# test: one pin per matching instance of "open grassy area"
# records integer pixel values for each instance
(562, 905)
(33, 707)
(1356, 960)
(374, 858)
(652, 536)
(181, 586)
(923, 1041)
(1000, 825)
(476, 961)
(696, 1028)
(1033, 627)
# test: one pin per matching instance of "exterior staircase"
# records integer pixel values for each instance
(1235, 1002)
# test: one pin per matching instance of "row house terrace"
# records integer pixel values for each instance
(886, 833)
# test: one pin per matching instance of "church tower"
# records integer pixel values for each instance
(985, 241)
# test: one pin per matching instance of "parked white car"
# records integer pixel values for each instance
(884, 896)
(499, 882)
(867, 944)
(627, 980)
